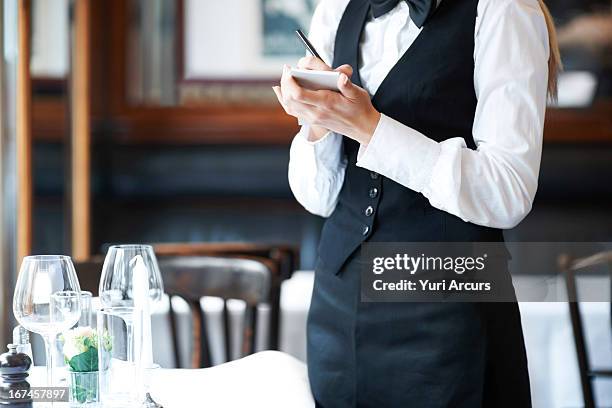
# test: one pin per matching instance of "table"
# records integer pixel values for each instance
(266, 379)
(548, 337)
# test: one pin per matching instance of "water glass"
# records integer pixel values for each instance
(84, 321)
(84, 388)
(116, 362)
(86, 311)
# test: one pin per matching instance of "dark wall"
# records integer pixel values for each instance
(230, 193)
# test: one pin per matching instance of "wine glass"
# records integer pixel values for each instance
(117, 273)
(47, 299)
(116, 288)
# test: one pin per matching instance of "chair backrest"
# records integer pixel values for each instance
(192, 277)
(570, 267)
(285, 259)
(286, 256)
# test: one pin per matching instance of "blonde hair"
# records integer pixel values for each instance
(554, 59)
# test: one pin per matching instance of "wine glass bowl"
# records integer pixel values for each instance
(47, 299)
(40, 277)
(117, 275)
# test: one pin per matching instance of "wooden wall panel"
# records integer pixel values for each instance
(24, 132)
(81, 134)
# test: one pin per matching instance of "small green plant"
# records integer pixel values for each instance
(81, 356)
(81, 348)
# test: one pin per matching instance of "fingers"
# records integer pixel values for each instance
(291, 90)
(346, 69)
(314, 63)
(306, 113)
(295, 107)
(311, 62)
(347, 88)
(279, 95)
(289, 86)
(305, 104)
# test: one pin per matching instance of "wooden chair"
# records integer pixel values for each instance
(570, 267)
(192, 277)
(284, 257)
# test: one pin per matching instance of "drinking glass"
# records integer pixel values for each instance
(86, 312)
(116, 359)
(117, 272)
(116, 281)
(47, 299)
(61, 372)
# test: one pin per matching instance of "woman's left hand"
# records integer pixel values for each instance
(349, 112)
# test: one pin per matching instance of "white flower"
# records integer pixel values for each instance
(70, 350)
(74, 341)
(83, 331)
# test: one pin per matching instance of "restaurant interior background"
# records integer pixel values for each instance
(154, 121)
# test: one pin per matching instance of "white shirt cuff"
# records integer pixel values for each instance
(400, 153)
(323, 154)
(305, 131)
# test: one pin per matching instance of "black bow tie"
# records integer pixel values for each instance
(420, 10)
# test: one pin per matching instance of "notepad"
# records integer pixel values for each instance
(316, 80)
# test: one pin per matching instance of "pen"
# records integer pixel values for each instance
(308, 45)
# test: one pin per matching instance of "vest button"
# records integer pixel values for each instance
(365, 230)
(373, 175)
(373, 192)
(369, 211)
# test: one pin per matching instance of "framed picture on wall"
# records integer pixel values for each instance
(50, 59)
(241, 40)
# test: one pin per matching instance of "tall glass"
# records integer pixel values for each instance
(61, 372)
(86, 311)
(116, 281)
(47, 299)
(116, 360)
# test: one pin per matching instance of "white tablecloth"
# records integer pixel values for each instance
(269, 379)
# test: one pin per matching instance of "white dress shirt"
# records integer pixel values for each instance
(492, 186)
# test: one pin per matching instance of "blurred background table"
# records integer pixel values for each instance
(549, 341)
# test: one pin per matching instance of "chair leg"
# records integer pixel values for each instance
(253, 330)
(227, 331)
(249, 337)
(274, 319)
(201, 352)
(583, 364)
(579, 341)
(174, 334)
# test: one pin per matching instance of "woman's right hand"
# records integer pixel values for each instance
(283, 92)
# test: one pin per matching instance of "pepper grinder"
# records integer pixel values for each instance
(14, 388)
(21, 338)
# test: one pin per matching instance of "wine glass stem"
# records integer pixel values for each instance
(49, 358)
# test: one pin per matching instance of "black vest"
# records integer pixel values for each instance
(430, 89)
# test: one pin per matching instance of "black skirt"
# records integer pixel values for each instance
(418, 355)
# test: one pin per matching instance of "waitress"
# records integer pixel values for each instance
(436, 135)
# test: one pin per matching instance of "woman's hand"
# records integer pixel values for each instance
(349, 112)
